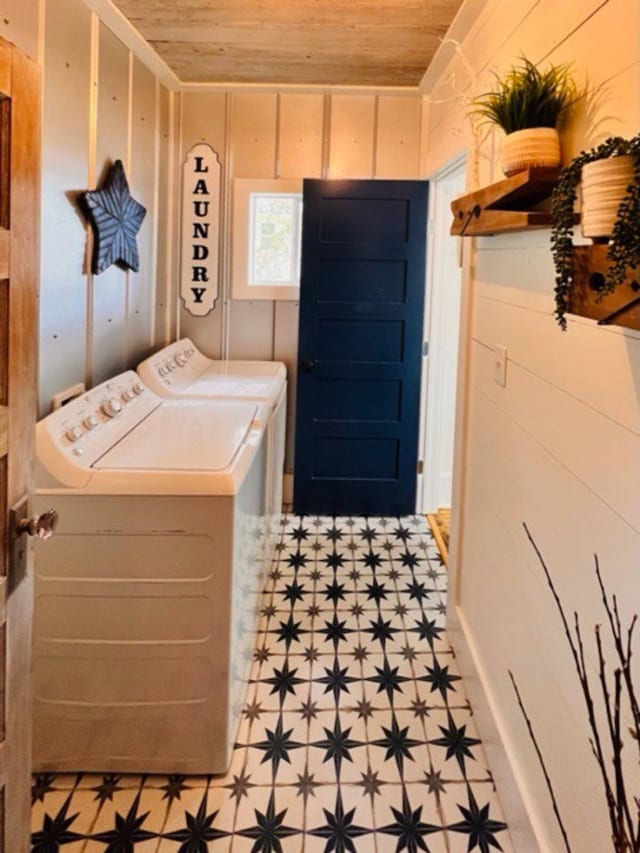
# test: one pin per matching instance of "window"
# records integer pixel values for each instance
(267, 234)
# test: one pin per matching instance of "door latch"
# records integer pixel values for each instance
(22, 526)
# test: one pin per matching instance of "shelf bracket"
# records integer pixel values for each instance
(505, 205)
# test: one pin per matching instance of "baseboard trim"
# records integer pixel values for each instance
(509, 785)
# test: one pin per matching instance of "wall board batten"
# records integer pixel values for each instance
(112, 143)
(19, 24)
(285, 348)
(142, 181)
(165, 287)
(300, 136)
(351, 142)
(398, 144)
(580, 362)
(65, 141)
(253, 135)
(251, 330)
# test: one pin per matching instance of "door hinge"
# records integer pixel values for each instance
(420, 466)
(425, 348)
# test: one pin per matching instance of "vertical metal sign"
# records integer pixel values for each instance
(200, 229)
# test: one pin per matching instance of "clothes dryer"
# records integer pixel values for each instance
(146, 601)
(180, 371)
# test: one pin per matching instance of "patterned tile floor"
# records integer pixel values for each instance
(356, 734)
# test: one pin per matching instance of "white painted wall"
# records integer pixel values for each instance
(558, 448)
(273, 134)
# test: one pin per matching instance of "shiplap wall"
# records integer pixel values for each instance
(289, 135)
(100, 103)
(558, 448)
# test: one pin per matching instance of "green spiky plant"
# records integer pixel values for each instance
(527, 97)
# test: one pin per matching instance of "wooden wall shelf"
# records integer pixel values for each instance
(505, 205)
(620, 308)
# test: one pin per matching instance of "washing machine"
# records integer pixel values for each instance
(147, 600)
(180, 371)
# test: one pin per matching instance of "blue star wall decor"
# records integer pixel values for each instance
(116, 218)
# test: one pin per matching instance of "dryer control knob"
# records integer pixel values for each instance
(163, 371)
(171, 365)
(112, 407)
(128, 395)
(181, 360)
(74, 433)
(91, 422)
(138, 388)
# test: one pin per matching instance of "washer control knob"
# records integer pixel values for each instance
(91, 422)
(74, 433)
(181, 360)
(128, 395)
(171, 365)
(112, 407)
(163, 371)
(138, 388)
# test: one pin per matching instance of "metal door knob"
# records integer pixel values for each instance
(43, 526)
(307, 365)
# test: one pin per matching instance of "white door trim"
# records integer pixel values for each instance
(442, 308)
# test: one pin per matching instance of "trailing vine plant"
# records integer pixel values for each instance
(624, 245)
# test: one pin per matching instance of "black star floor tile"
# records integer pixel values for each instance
(355, 733)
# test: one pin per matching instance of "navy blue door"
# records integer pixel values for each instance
(360, 345)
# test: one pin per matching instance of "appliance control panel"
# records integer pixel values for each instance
(85, 428)
(178, 364)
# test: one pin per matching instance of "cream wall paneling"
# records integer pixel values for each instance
(570, 431)
(352, 136)
(93, 327)
(505, 488)
(300, 136)
(65, 142)
(593, 368)
(110, 298)
(558, 447)
(19, 24)
(398, 141)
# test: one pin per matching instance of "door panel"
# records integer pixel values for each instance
(19, 258)
(361, 307)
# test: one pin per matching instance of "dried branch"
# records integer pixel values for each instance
(624, 829)
(545, 773)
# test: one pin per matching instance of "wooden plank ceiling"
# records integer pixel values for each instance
(320, 42)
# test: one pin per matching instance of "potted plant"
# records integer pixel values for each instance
(616, 215)
(528, 104)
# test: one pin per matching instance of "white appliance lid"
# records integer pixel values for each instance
(187, 435)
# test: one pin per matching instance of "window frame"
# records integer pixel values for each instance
(241, 288)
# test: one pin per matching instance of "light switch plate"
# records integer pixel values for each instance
(500, 365)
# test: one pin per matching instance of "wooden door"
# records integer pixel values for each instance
(19, 236)
(360, 347)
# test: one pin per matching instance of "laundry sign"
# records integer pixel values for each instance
(200, 229)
